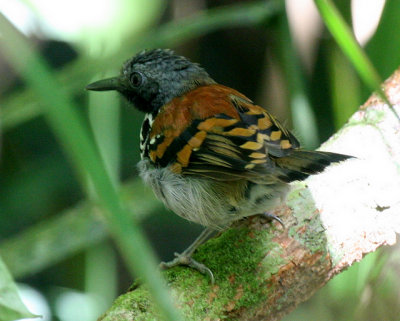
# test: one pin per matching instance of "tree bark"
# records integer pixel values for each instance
(262, 271)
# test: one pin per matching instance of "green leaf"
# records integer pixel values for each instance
(11, 306)
(384, 47)
(348, 43)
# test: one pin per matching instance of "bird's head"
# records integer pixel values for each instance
(152, 78)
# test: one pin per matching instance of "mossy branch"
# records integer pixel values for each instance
(332, 220)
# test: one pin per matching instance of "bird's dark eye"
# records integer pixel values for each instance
(136, 79)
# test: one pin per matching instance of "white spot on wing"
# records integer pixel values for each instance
(144, 133)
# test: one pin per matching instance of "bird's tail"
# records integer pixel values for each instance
(300, 164)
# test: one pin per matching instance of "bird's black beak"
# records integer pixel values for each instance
(114, 83)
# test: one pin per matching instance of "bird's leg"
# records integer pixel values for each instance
(271, 217)
(185, 258)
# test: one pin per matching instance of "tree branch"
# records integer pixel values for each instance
(332, 220)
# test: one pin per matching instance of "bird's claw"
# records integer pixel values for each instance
(182, 259)
(273, 217)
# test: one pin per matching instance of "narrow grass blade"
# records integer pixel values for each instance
(347, 42)
(11, 306)
(21, 107)
(73, 134)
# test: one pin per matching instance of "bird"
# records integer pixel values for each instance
(209, 153)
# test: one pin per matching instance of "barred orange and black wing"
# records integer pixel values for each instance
(216, 132)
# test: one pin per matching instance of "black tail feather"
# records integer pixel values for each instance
(300, 163)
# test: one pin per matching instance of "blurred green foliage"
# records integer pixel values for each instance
(43, 211)
(11, 306)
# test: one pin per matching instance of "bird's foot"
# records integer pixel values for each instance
(271, 217)
(187, 260)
